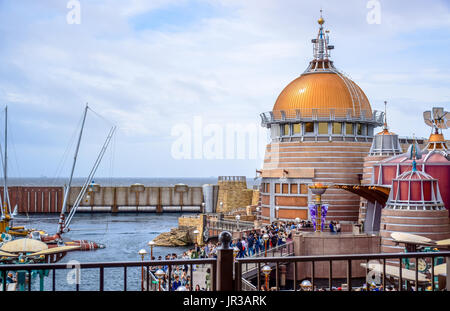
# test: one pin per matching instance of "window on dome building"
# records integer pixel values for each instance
(309, 127)
(337, 128)
(359, 129)
(349, 128)
(285, 188)
(296, 129)
(277, 188)
(286, 129)
(323, 128)
(294, 188)
(303, 189)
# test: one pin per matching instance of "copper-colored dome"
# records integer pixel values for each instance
(324, 91)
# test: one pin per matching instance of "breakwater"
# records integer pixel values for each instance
(133, 198)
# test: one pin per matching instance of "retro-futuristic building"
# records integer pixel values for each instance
(322, 131)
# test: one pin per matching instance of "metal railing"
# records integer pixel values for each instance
(217, 226)
(294, 260)
(102, 266)
(315, 114)
(224, 267)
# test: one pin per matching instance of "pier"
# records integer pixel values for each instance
(135, 198)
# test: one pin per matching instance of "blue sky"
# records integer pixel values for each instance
(149, 66)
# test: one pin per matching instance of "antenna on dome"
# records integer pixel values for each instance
(414, 153)
(321, 49)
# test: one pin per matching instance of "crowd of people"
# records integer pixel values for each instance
(250, 243)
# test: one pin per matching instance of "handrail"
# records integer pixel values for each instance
(346, 257)
(115, 264)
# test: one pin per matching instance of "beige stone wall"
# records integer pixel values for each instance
(255, 197)
(233, 193)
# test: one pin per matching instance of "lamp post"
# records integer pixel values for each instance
(258, 210)
(203, 207)
(159, 274)
(318, 189)
(142, 252)
(266, 270)
(265, 238)
(151, 244)
(238, 217)
(277, 209)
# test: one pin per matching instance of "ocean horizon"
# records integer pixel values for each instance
(118, 181)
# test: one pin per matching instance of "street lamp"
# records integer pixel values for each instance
(159, 274)
(203, 207)
(221, 206)
(277, 208)
(151, 244)
(142, 252)
(238, 217)
(258, 209)
(318, 189)
(266, 270)
(265, 238)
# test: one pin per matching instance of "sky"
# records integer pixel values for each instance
(175, 75)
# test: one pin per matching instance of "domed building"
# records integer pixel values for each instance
(321, 128)
(435, 160)
(415, 206)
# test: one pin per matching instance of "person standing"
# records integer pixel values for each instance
(251, 244)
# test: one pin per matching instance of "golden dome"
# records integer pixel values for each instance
(326, 92)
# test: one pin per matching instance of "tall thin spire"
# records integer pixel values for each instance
(385, 116)
(321, 49)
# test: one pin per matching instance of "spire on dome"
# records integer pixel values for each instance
(321, 50)
(414, 153)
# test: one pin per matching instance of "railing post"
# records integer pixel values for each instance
(225, 263)
(447, 259)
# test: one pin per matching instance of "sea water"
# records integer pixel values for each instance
(122, 234)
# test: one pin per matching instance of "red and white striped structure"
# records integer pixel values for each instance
(415, 206)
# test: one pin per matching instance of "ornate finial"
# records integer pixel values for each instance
(414, 164)
(225, 239)
(321, 21)
(385, 115)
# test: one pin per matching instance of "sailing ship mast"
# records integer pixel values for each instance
(67, 188)
(63, 224)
